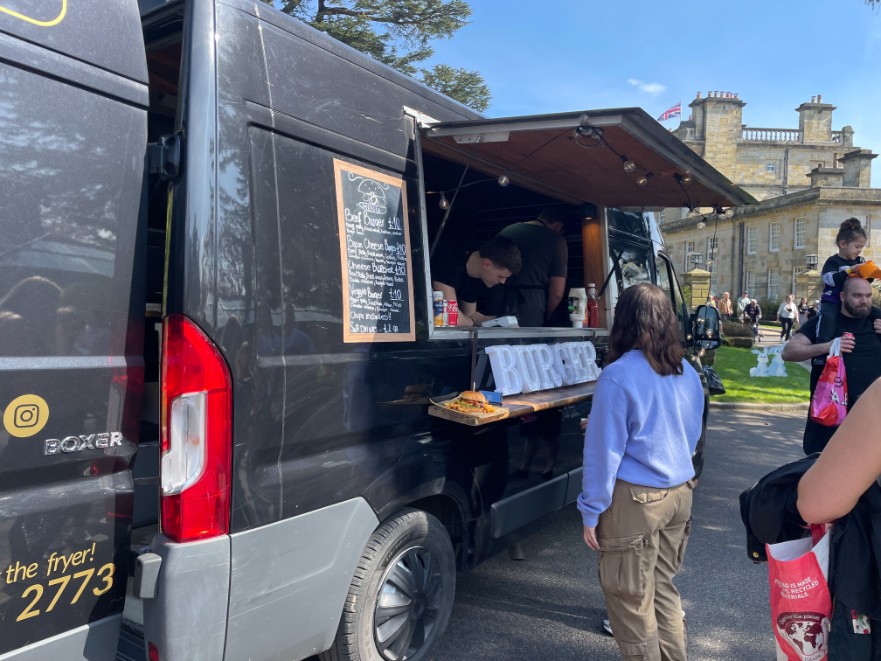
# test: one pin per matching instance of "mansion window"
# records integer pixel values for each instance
(773, 283)
(774, 237)
(799, 233)
(751, 240)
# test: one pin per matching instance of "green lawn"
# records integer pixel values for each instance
(733, 366)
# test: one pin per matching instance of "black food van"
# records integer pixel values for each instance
(215, 374)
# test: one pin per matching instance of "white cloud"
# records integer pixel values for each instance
(651, 88)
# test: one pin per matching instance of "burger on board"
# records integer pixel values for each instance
(470, 401)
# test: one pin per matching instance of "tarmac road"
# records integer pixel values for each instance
(549, 606)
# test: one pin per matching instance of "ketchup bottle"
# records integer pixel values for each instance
(593, 306)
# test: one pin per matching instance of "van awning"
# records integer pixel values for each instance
(579, 157)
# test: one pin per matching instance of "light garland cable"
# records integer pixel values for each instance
(596, 133)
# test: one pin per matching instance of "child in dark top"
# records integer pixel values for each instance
(851, 239)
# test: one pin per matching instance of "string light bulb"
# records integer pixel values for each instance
(693, 213)
(643, 181)
(729, 212)
(628, 165)
(701, 225)
(444, 203)
(504, 179)
(686, 178)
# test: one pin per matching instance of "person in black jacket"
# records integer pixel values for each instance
(849, 465)
(839, 484)
(843, 486)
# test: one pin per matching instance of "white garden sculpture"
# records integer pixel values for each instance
(770, 363)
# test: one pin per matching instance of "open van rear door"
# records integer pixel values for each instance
(73, 133)
(595, 156)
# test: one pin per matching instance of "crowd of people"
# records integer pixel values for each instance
(637, 486)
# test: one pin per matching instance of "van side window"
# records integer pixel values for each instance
(667, 281)
(630, 248)
(663, 276)
(631, 261)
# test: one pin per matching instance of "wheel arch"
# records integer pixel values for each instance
(447, 507)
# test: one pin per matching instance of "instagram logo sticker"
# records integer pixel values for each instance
(25, 416)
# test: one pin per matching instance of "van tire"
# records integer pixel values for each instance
(411, 544)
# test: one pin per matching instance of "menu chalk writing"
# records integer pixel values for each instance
(375, 255)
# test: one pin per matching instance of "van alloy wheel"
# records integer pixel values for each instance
(401, 595)
(406, 612)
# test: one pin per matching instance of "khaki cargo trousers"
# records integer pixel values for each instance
(642, 538)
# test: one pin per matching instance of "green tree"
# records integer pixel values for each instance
(398, 33)
(460, 84)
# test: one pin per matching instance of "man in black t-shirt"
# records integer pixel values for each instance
(541, 283)
(861, 353)
(464, 277)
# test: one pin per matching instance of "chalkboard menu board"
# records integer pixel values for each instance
(375, 255)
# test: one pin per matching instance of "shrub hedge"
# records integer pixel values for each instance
(736, 334)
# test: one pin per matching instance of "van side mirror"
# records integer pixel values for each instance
(706, 328)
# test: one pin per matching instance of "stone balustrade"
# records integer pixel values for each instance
(844, 138)
(770, 135)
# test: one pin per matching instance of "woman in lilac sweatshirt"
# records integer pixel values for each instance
(637, 483)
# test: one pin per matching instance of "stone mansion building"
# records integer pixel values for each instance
(806, 181)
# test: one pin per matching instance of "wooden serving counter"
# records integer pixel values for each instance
(517, 406)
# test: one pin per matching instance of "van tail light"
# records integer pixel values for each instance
(196, 434)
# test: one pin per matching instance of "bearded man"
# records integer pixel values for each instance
(861, 351)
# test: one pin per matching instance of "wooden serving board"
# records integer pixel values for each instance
(473, 419)
(516, 406)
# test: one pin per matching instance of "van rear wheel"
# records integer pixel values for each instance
(401, 595)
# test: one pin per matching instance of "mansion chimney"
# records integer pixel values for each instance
(857, 168)
(815, 121)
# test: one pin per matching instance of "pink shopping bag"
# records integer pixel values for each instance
(801, 606)
(829, 403)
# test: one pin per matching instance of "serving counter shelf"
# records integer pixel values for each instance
(518, 406)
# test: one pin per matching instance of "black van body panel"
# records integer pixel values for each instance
(72, 135)
(338, 431)
(105, 35)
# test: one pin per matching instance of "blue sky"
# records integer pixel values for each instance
(560, 55)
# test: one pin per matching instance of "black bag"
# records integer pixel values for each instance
(714, 381)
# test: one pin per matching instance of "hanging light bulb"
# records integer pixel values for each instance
(628, 165)
(644, 179)
(444, 203)
(701, 225)
(729, 212)
(504, 179)
(686, 178)
(692, 213)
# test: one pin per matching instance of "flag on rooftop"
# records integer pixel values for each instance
(670, 113)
